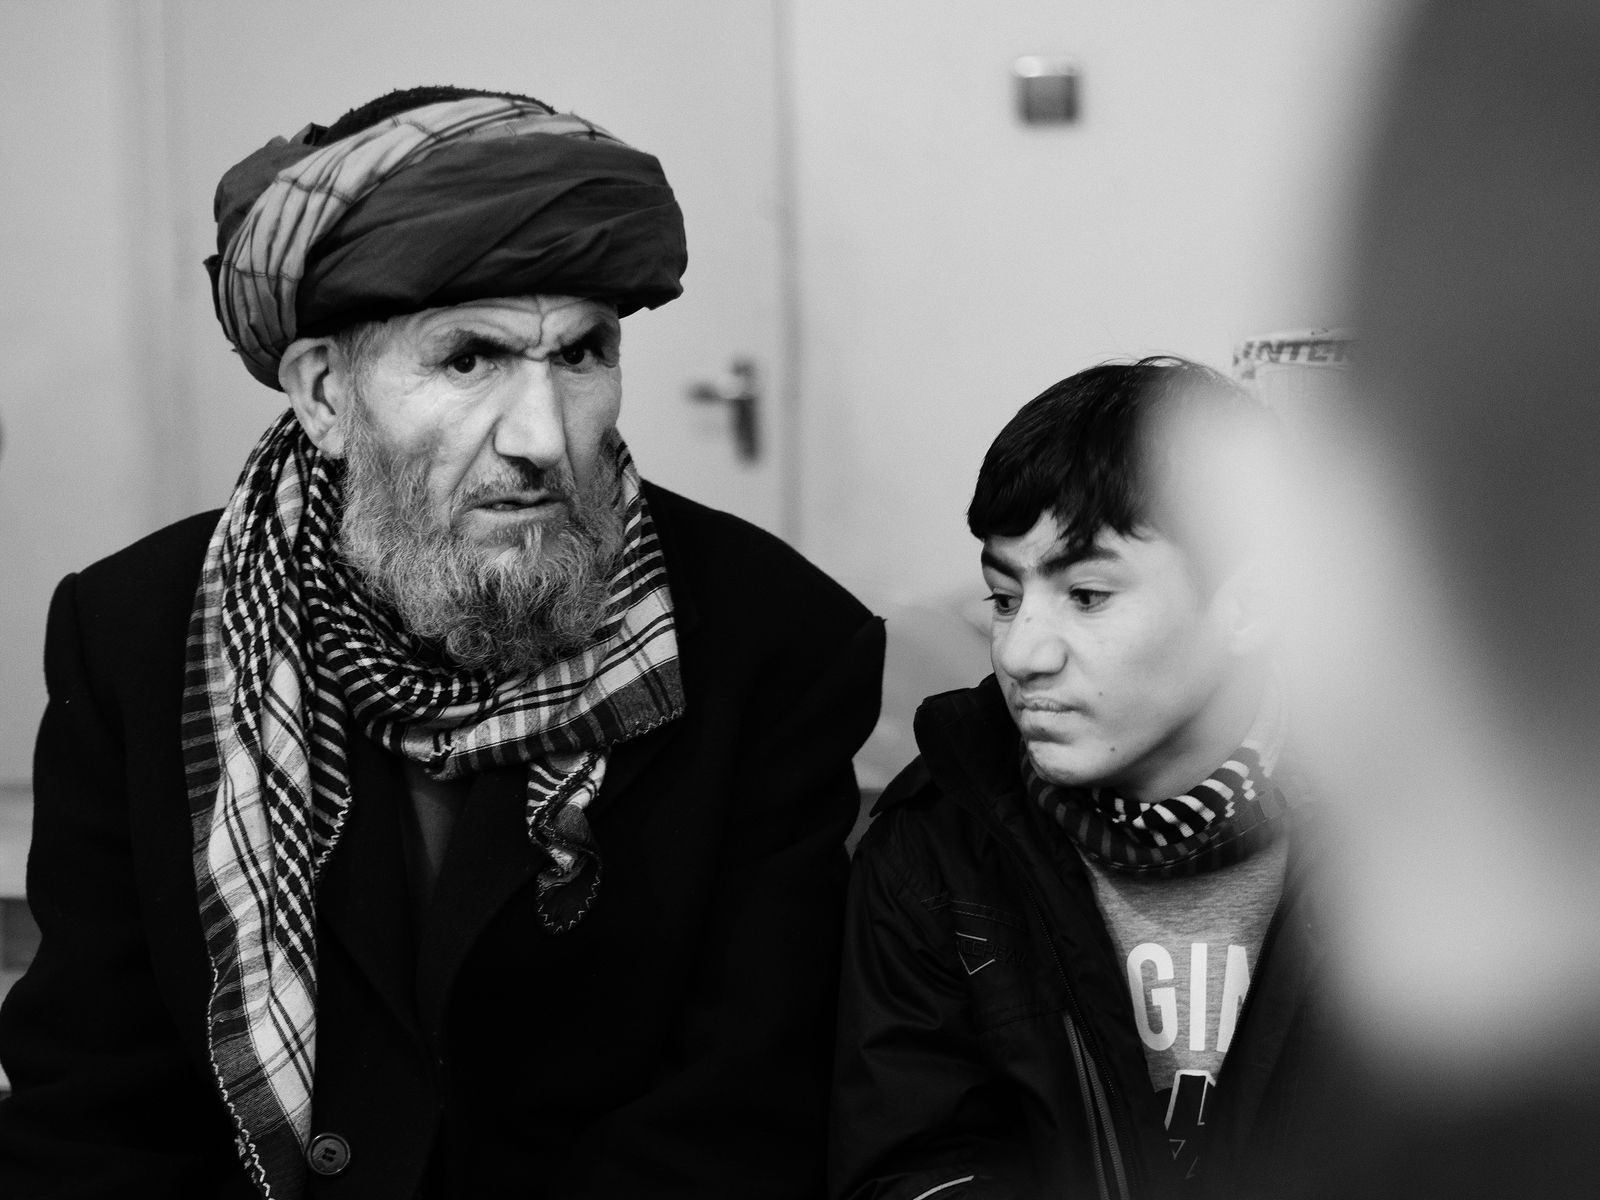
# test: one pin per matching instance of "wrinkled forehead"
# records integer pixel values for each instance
(530, 323)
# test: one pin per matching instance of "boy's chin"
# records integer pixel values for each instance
(1067, 766)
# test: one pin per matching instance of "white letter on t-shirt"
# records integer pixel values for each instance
(1235, 983)
(1197, 996)
(1164, 998)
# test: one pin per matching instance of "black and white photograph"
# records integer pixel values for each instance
(799, 599)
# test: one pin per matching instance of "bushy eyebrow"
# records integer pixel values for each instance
(597, 333)
(600, 322)
(459, 339)
(1055, 563)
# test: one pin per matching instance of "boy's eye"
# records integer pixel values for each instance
(1003, 605)
(1087, 599)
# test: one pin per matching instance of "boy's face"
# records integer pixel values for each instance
(1117, 666)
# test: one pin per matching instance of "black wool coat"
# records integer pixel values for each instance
(675, 1043)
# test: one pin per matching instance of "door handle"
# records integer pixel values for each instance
(737, 389)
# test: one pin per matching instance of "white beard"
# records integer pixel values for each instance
(508, 609)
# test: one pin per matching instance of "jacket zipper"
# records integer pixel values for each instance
(1077, 1033)
(1093, 1104)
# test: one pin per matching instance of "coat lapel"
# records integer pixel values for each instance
(363, 896)
(489, 859)
(626, 763)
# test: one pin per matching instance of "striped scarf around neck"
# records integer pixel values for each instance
(1225, 818)
(286, 661)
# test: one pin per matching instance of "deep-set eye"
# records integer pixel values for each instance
(464, 363)
(577, 354)
(1003, 605)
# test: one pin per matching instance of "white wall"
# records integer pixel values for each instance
(954, 262)
(71, 405)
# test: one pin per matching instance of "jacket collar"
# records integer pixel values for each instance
(968, 744)
(664, 512)
(986, 737)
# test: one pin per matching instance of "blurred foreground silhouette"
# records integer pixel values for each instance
(1449, 633)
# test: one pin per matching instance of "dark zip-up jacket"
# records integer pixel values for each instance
(987, 1044)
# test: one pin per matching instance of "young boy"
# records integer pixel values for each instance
(1067, 900)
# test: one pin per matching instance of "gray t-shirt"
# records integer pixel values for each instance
(1187, 947)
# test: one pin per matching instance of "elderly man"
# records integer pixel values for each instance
(457, 814)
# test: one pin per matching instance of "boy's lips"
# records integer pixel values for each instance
(1046, 719)
(1043, 704)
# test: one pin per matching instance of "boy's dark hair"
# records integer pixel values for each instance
(1080, 450)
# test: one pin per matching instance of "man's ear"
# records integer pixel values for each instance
(1246, 604)
(313, 376)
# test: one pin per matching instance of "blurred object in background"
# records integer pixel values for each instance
(1450, 645)
(1298, 371)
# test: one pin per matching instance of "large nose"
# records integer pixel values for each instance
(1027, 647)
(531, 425)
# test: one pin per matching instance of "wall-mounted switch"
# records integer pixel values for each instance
(1047, 90)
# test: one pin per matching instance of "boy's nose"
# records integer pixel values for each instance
(1028, 648)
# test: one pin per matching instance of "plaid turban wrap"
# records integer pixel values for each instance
(438, 205)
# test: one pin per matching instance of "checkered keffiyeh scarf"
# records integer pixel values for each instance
(286, 661)
(1222, 820)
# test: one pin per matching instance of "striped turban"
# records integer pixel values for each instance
(463, 200)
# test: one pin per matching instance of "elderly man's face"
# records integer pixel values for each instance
(507, 404)
(482, 498)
